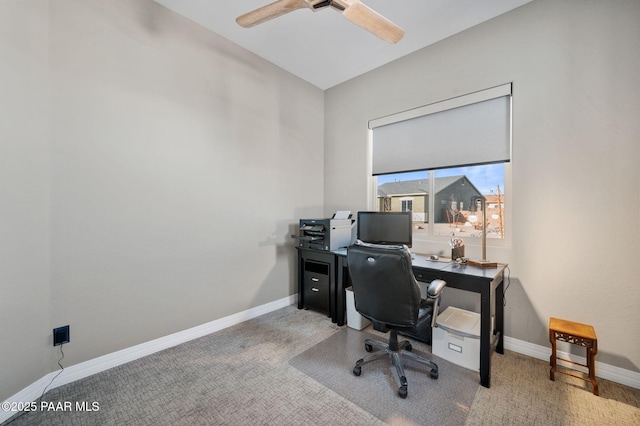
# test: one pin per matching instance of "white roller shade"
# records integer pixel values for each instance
(471, 129)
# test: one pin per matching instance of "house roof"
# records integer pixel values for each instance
(419, 186)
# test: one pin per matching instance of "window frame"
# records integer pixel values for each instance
(430, 238)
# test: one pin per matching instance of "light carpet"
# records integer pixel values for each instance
(243, 375)
(444, 401)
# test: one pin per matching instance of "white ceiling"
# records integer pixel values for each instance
(324, 48)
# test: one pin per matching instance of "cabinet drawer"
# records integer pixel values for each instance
(316, 292)
(315, 280)
(316, 285)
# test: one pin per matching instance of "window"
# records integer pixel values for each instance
(452, 206)
(407, 205)
(440, 160)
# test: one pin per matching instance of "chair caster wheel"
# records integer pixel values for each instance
(408, 348)
(357, 370)
(402, 392)
(368, 347)
(434, 374)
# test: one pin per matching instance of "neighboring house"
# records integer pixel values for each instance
(453, 195)
(495, 212)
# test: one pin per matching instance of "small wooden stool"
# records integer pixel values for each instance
(577, 334)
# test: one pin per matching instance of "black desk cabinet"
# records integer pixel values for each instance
(316, 278)
(316, 281)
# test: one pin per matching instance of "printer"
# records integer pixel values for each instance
(326, 234)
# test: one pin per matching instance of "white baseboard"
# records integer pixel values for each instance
(105, 362)
(605, 371)
(97, 365)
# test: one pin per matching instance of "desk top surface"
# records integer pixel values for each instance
(445, 265)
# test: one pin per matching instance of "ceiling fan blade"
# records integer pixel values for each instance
(270, 11)
(367, 18)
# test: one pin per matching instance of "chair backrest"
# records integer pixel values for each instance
(384, 288)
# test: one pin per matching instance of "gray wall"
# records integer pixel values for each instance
(25, 326)
(575, 176)
(131, 142)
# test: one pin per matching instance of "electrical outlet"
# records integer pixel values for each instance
(61, 335)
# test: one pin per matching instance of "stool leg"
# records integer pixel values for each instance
(591, 364)
(552, 359)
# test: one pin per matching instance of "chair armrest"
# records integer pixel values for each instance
(435, 288)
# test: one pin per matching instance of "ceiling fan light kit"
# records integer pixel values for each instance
(354, 10)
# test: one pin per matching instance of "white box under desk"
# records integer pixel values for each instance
(457, 337)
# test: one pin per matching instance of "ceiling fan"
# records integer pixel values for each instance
(354, 10)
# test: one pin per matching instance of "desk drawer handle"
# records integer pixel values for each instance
(315, 279)
(314, 289)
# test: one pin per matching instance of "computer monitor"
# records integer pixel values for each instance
(390, 228)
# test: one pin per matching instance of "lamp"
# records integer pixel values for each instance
(484, 263)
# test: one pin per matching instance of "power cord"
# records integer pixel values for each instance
(504, 292)
(22, 413)
(56, 376)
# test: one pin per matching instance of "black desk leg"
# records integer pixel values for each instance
(500, 317)
(491, 309)
(300, 284)
(333, 312)
(485, 338)
(341, 303)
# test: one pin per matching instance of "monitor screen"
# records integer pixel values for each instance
(385, 228)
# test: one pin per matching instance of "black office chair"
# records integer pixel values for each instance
(387, 293)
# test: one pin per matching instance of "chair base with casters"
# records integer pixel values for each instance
(396, 351)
